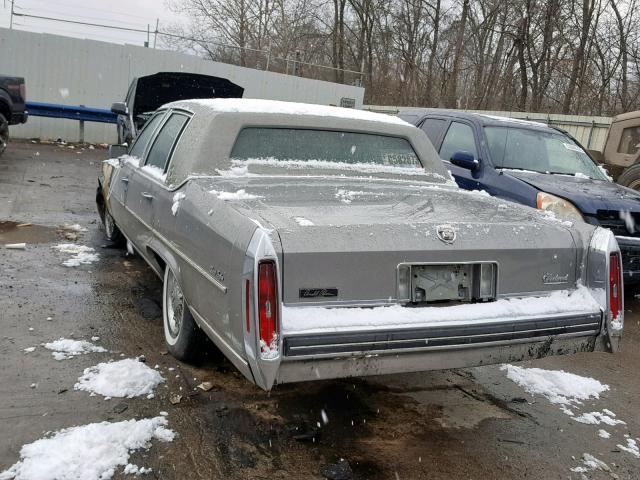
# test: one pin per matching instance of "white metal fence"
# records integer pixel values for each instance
(591, 132)
(73, 71)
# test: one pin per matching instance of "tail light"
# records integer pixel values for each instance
(23, 92)
(615, 286)
(268, 308)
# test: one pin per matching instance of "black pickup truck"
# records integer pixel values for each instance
(13, 97)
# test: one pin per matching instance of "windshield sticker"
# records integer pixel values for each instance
(570, 146)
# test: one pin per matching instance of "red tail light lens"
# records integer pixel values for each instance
(268, 307)
(247, 304)
(23, 92)
(615, 286)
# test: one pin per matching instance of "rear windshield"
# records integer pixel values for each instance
(322, 148)
(539, 151)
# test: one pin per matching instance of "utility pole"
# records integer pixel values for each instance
(11, 17)
(155, 34)
(146, 44)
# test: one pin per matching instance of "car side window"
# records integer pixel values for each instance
(166, 140)
(629, 141)
(140, 145)
(433, 127)
(459, 138)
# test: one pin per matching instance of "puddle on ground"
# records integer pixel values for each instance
(459, 409)
(14, 232)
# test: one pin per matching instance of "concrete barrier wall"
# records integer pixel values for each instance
(74, 71)
(591, 132)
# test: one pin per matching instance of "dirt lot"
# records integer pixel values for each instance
(472, 424)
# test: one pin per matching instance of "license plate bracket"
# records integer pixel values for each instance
(460, 282)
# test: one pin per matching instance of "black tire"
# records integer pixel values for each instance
(183, 337)
(631, 177)
(111, 230)
(4, 133)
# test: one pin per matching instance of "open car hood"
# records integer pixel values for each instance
(153, 91)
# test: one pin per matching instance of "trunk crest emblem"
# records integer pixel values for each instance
(446, 233)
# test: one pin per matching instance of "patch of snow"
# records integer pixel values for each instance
(303, 222)
(29, 349)
(87, 452)
(124, 378)
(130, 249)
(369, 168)
(320, 319)
(271, 350)
(603, 433)
(590, 463)
(246, 105)
(581, 175)
(631, 447)
(132, 469)
(64, 348)
(596, 418)
(81, 254)
(155, 172)
(76, 227)
(605, 173)
(114, 162)
(238, 195)
(557, 386)
(176, 202)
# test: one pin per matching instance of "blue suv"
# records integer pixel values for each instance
(536, 165)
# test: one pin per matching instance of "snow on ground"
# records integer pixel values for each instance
(124, 378)
(64, 348)
(87, 452)
(596, 418)
(304, 222)
(589, 463)
(176, 202)
(246, 105)
(631, 447)
(29, 349)
(319, 319)
(76, 227)
(557, 386)
(603, 434)
(81, 254)
(238, 195)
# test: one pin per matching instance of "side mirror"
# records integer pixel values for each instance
(465, 160)
(119, 108)
(116, 151)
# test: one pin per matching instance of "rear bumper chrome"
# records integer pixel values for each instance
(299, 369)
(440, 337)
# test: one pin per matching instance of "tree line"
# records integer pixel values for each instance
(556, 56)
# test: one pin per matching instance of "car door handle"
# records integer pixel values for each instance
(125, 180)
(146, 195)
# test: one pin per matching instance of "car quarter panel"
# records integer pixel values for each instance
(209, 241)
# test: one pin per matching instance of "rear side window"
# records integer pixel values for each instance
(166, 140)
(433, 127)
(459, 138)
(142, 141)
(630, 141)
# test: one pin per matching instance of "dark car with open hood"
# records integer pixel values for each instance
(536, 165)
(147, 94)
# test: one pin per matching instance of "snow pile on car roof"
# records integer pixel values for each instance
(89, 452)
(247, 105)
(124, 378)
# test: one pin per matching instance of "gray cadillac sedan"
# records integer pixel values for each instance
(312, 242)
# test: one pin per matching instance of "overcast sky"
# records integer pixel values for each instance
(124, 13)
